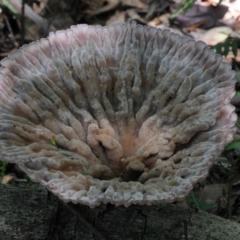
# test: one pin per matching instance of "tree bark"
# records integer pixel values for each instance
(30, 212)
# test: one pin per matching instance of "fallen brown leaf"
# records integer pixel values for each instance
(135, 4)
(111, 5)
(8, 178)
(216, 35)
(118, 17)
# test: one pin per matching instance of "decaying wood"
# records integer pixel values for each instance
(30, 212)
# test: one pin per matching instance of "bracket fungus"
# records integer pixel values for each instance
(123, 114)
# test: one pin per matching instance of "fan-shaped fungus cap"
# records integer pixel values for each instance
(122, 114)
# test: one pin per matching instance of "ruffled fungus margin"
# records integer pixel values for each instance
(123, 114)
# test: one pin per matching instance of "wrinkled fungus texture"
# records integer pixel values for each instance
(122, 114)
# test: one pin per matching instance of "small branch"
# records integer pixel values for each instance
(23, 23)
(11, 34)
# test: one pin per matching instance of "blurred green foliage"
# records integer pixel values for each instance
(199, 204)
(231, 44)
(3, 167)
(183, 7)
